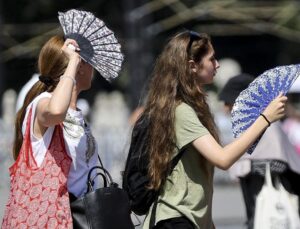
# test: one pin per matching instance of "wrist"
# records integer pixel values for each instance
(68, 77)
(74, 59)
(265, 118)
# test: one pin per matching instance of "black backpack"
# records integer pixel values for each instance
(135, 177)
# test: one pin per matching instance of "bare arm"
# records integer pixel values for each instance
(224, 157)
(51, 111)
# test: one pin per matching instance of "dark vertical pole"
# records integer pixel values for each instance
(2, 75)
(138, 49)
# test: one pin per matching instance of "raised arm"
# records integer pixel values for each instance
(51, 111)
(224, 157)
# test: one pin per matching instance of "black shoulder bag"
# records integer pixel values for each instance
(103, 208)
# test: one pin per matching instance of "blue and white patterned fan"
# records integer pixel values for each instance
(98, 44)
(254, 99)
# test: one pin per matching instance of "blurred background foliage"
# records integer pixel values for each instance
(257, 34)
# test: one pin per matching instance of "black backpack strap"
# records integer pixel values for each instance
(153, 212)
(175, 161)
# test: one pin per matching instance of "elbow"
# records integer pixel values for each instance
(223, 164)
(57, 113)
(223, 167)
(56, 116)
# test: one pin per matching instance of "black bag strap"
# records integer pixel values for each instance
(91, 181)
(100, 161)
(107, 176)
(174, 162)
(107, 179)
(176, 159)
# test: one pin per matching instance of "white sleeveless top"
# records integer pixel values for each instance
(80, 145)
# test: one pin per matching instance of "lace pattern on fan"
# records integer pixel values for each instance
(253, 100)
(98, 44)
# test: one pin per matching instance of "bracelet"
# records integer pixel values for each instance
(69, 77)
(269, 123)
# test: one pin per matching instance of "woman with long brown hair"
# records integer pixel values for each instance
(180, 119)
(53, 147)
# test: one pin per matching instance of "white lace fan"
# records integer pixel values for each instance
(98, 44)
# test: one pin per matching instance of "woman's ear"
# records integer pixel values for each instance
(193, 66)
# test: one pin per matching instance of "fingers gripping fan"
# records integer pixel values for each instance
(254, 99)
(98, 44)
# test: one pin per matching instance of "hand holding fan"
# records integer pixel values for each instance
(98, 44)
(253, 100)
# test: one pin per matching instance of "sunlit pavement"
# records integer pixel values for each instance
(228, 207)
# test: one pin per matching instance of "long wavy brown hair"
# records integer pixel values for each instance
(51, 63)
(172, 83)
